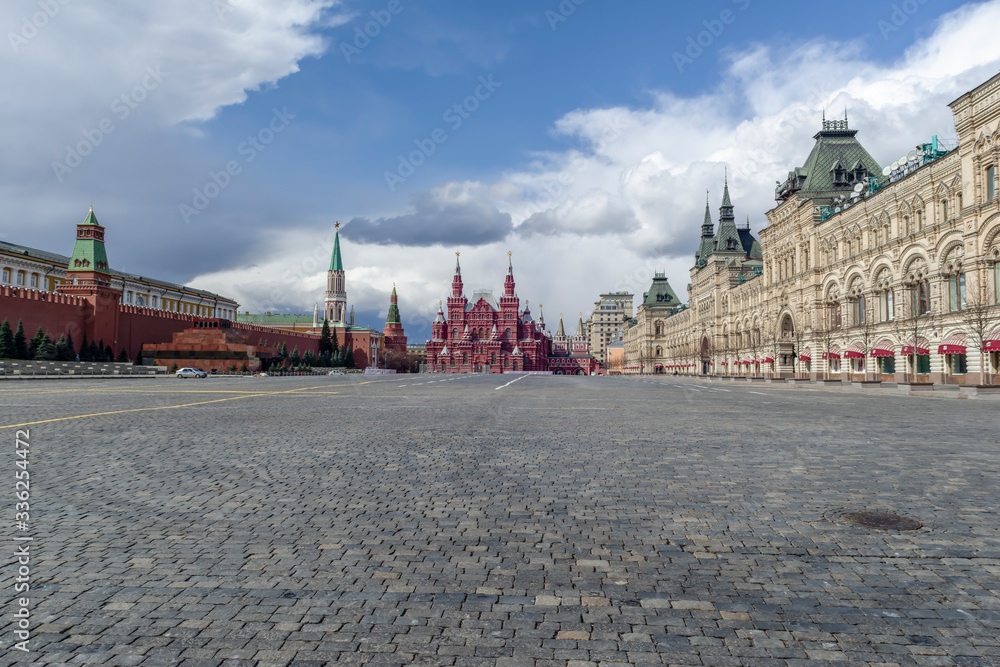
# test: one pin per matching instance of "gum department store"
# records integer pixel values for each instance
(862, 271)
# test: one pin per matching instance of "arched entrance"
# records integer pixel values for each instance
(706, 356)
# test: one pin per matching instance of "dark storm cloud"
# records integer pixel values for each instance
(441, 217)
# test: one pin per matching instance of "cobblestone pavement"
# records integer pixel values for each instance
(458, 521)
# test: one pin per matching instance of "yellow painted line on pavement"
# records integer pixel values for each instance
(119, 412)
(168, 407)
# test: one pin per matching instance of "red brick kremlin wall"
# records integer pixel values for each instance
(59, 314)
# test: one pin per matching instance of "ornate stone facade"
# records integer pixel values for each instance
(863, 273)
(480, 335)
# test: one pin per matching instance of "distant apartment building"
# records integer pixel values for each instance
(610, 314)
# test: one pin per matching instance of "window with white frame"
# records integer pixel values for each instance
(20, 278)
(34, 281)
(956, 291)
(6, 276)
(886, 308)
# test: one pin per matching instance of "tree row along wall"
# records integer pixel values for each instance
(58, 314)
(61, 314)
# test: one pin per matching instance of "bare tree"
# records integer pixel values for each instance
(910, 326)
(754, 345)
(981, 318)
(826, 334)
(723, 345)
(866, 332)
(796, 349)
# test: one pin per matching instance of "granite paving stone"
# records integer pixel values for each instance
(566, 521)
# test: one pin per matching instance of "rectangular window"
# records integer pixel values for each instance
(922, 298)
(887, 365)
(991, 182)
(958, 363)
(956, 292)
(34, 280)
(944, 210)
(6, 275)
(923, 364)
(835, 316)
(20, 278)
(996, 282)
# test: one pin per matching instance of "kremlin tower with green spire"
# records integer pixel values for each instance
(335, 304)
(395, 337)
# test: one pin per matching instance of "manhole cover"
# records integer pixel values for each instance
(882, 520)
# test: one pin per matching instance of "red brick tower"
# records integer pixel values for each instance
(89, 276)
(395, 337)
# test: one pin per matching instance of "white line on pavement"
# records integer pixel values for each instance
(510, 383)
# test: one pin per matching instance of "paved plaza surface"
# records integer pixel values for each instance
(457, 520)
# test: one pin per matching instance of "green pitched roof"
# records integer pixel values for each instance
(89, 252)
(336, 264)
(91, 218)
(660, 294)
(836, 146)
(727, 239)
(393, 316)
(707, 236)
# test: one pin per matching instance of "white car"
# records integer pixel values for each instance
(190, 372)
(335, 373)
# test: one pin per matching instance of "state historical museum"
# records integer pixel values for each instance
(483, 336)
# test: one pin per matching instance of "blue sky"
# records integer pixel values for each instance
(597, 129)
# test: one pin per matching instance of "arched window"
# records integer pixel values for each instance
(659, 328)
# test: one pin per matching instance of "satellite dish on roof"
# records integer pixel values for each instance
(911, 156)
(894, 166)
(859, 187)
(887, 171)
(855, 195)
(902, 161)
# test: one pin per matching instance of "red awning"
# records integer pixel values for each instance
(805, 357)
(883, 348)
(992, 342)
(767, 360)
(953, 344)
(831, 355)
(921, 351)
(855, 351)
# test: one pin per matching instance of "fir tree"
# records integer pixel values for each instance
(94, 352)
(123, 356)
(85, 349)
(325, 340)
(63, 352)
(109, 354)
(294, 358)
(69, 344)
(283, 352)
(36, 341)
(46, 350)
(349, 357)
(325, 360)
(20, 342)
(7, 349)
